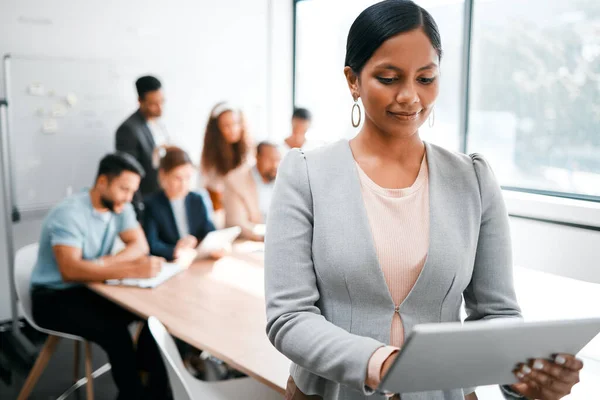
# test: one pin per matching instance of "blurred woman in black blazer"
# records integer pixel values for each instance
(176, 219)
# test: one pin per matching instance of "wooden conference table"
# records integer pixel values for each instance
(217, 306)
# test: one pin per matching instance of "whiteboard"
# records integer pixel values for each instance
(63, 115)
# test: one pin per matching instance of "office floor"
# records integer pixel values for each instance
(57, 376)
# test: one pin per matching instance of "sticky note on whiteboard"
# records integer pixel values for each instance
(71, 99)
(59, 110)
(50, 125)
(36, 89)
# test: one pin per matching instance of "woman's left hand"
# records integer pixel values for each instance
(548, 380)
(189, 241)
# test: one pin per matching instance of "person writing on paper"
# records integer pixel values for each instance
(369, 237)
(176, 219)
(75, 245)
(248, 193)
(226, 147)
(143, 135)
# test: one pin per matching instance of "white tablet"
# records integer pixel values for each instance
(219, 239)
(451, 355)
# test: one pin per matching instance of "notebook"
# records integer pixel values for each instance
(167, 271)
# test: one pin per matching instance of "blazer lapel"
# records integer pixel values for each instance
(147, 140)
(436, 276)
(191, 213)
(445, 232)
(356, 230)
(172, 225)
(343, 243)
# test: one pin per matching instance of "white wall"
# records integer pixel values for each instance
(567, 251)
(561, 250)
(203, 51)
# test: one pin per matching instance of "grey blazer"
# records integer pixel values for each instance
(328, 305)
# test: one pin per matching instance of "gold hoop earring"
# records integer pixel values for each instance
(356, 106)
(432, 118)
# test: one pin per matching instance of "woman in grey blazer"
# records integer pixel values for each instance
(329, 307)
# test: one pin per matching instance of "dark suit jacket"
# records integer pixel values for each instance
(134, 137)
(161, 228)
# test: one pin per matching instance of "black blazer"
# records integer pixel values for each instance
(134, 137)
(161, 228)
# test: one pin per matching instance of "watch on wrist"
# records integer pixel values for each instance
(506, 389)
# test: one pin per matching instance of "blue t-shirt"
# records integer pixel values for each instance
(75, 223)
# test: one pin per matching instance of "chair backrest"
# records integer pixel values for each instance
(172, 359)
(25, 260)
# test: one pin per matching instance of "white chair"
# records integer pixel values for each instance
(187, 387)
(24, 262)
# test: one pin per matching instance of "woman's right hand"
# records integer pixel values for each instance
(185, 257)
(185, 243)
(188, 242)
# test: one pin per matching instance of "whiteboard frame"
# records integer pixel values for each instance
(40, 210)
(10, 211)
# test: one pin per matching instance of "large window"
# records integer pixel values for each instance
(321, 29)
(534, 90)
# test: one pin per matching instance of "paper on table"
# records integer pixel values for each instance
(167, 271)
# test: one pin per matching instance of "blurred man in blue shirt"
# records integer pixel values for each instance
(75, 248)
